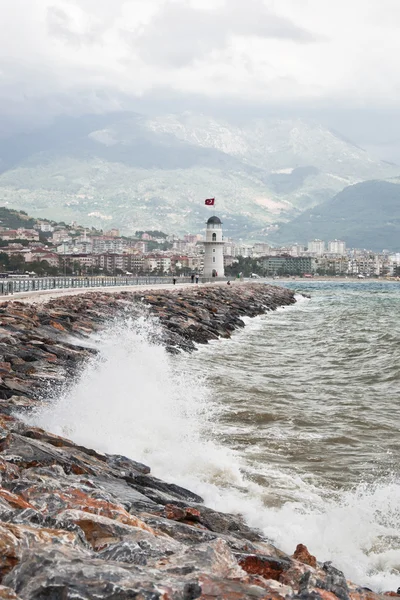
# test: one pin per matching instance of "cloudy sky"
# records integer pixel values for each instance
(335, 57)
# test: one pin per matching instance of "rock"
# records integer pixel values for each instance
(268, 567)
(7, 593)
(168, 490)
(14, 500)
(58, 574)
(101, 531)
(176, 513)
(302, 555)
(14, 539)
(214, 558)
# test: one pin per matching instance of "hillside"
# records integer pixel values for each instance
(366, 215)
(14, 219)
(133, 172)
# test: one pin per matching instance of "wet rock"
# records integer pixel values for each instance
(60, 575)
(14, 500)
(268, 567)
(14, 539)
(226, 524)
(7, 593)
(101, 531)
(302, 555)
(213, 588)
(214, 558)
(151, 486)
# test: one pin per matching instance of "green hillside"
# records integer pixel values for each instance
(365, 215)
(135, 172)
(13, 219)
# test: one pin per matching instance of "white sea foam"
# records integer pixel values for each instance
(136, 400)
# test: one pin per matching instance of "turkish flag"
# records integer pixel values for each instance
(210, 202)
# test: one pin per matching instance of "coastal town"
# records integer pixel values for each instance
(44, 247)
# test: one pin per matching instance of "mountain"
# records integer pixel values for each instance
(365, 215)
(133, 172)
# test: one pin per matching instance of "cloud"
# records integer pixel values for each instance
(179, 33)
(66, 55)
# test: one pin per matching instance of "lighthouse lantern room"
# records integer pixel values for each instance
(214, 249)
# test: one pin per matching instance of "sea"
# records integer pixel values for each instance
(293, 422)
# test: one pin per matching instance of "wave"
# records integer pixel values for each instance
(135, 399)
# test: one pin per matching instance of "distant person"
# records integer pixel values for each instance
(174, 280)
(197, 279)
(192, 277)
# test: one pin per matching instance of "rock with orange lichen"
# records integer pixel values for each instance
(14, 539)
(302, 555)
(268, 567)
(14, 500)
(100, 531)
(7, 593)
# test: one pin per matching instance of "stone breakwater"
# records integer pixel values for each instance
(77, 524)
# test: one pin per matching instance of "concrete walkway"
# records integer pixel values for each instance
(43, 296)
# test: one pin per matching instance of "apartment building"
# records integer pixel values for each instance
(337, 247)
(288, 265)
(316, 247)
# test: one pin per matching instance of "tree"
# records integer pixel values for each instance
(244, 265)
(17, 263)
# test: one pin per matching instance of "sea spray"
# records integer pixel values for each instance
(135, 399)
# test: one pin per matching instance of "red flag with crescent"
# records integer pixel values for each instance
(210, 202)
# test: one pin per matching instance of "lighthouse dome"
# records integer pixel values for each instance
(214, 221)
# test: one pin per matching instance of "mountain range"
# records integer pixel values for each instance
(365, 215)
(134, 171)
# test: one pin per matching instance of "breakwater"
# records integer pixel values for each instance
(75, 523)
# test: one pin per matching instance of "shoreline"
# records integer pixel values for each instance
(78, 523)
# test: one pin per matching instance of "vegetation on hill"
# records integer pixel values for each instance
(130, 171)
(153, 233)
(14, 219)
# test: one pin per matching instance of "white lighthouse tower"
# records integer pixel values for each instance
(214, 249)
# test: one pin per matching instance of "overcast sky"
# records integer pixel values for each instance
(331, 55)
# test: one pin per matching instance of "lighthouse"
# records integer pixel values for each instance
(214, 249)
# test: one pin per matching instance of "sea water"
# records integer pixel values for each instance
(293, 423)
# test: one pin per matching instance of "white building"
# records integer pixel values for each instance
(214, 249)
(316, 247)
(244, 250)
(261, 249)
(297, 250)
(337, 247)
(46, 227)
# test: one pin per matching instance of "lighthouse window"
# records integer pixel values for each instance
(213, 249)
(213, 258)
(214, 237)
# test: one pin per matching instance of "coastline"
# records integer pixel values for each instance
(77, 523)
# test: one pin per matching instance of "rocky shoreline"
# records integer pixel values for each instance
(78, 524)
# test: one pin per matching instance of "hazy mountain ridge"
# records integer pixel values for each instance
(365, 215)
(131, 171)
